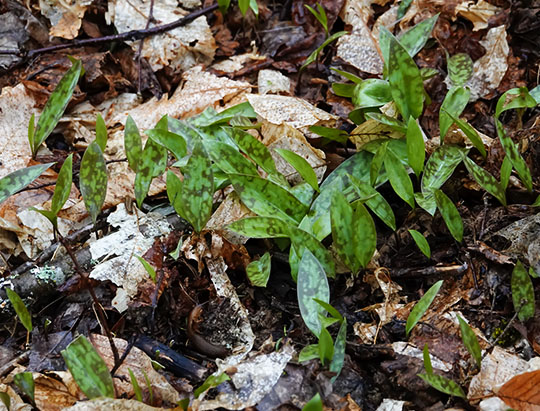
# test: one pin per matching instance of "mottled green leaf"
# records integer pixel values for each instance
(174, 190)
(372, 93)
(389, 121)
(258, 271)
(63, 185)
(535, 93)
(313, 56)
(416, 150)
(470, 341)
(511, 150)
(460, 69)
(132, 143)
(421, 306)
(452, 106)
(101, 132)
(260, 227)
(19, 179)
(375, 201)
(20, 309)
(25, 382)
(302, 241)
(486, 180)
(334, 134)
(55, 106)
(366, 237)
(135, 385)
(428, 72)
(88, 369)
(326, 346)
(377, 162)
(406, 84)
(414, 39)
(254, 149)
(93, 179)
(339, 351)
(301, 165)
(506, 171)
(175, 143)
(210, 117)
(344, 231)
(210, 382)
(229, 159)
(421, 242)
(514, 98)
(450, 215)
(470, 132)
(315, 404)
(309, 352)
(152, 163)
(399, 178)
(267, 198)
(443, 384)
(198, 188)
(149, 269)
(403, 7)
(522, 292)
(312, 283)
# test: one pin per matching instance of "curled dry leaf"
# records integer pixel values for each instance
(65, 17)
(478, 13)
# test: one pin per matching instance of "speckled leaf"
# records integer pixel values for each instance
(93, 179)
(460, 68)
(389, 121)
(377, 162)
(514, 98)
(63, 185)
(522, 292)
(371, 93)
(344, 232)
(175, 143)
(254, 149)
(267, 198)
(443, 384)
(375, 201)
(486, 180)
(471, 133)
(421, 306)
(506, 171)
(152, 163)
(416, 150)
(450, 215)
(312, 283)
(19, 179)
(20, 309)
(174, 189)
(414, 39)
(132, 143)
(428, 72)
(301, 165)
(309, 352)
(210, 116)
(470, 341)
(399, 179)
(55, 106)
(405, 81)
(511, 150)
(229, 159)
(339, 351)
(258, 271)
(421, 242)
(301, 241)
(260, 227)
(88, 369)
(452, 106)
(366, 237)
(25, 382)
(149, 269)
(101, 132)
(198, 188)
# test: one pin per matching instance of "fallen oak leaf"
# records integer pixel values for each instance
(522, 392)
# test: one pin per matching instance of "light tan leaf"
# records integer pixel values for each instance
(65, 17)
(477, 12)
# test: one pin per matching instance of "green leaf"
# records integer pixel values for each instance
(399, 178)
(414, 39)
(149, 269)
(55, 106)
(511, 150)
(522, 292)
(224, 5)
(267, 198)
(452, 106)
(416, 150)
(132, 143)
(136, 387)
(366, 237)
(19, 179)
(20, 309)
(344, 232)
(428, 72)
(301, 241)
(450, 215)
(25, 382)
(210, 117)
(31, 130)
(427, 360)
(309, 352)
(175, 143)
(88, 369)
(260, 227)
(229, 159)
(535, 93)
(506, 171)
(320, 15)
(375, 201)
(421, 242)
(174, 191)
(210, 382)
(313, 56)
(460, 69)
(198, 188)
(93, 179)
(301, 165)
(421, 306)
(486, 180)
(312, 283)
(406, 84)
(6, 399)
(471, 133)
(343, 89)
(334, 134)
(349, 76)
(258, 271)
(152, 163)
(331, 310)
(101, 132)
(254, 149)
(315, 404)
(514, 98)
(377, 162)
(443, 384)
(63, 185)
(338, 358)
(470, 341)
(326, 346)
(372, 93)
(389, 121)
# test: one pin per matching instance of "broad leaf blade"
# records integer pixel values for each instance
(471, 133)
(460, 69)
(258, 271)
(376, 202)
(101, 132)
(514, 98)
(63, 185)
(421, 242)
(20, 309)
(151, 164)
(93, 179)
(366, 237)
(229, 159)
(450, 215)
(522, 292)
(470, 341)
(344, 232)
(25, 382)
(399, 178)
(301, 165)
(339, 351)
(452, 106)
(443, 384)
(486, 180)
(19, 179)
(372, 93)
(421, 306)
(175, 143)
(132, 143)
(416, 150)
(260, 227)
(414, 39)
(149, 269)
(302, 241)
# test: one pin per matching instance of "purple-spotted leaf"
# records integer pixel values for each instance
(522, 292)
(312, 283)
(55, 106)
(301, 165)
(63, 185)
(132, 143)
(344, 232)
(470, 341)
(428, 72)
(414, 39)
(421, 306)
(452, 106)
(88, 369)
(421, 242)
(450, 215)
(443, 384)
(366, 236)
(254, 149)
(372, 93)
(93, 179)
(512, 152)
(20, 309)
(260, 227)
(377, 162)
(175, 143)
(25, 382)
(460, 69)
(399, 178)
(375, 201)
(486, 180)
(470, 132)
(19, 179)
(258, 271)
(514, 98)
(229, 159)
(101, 132)
(340, 344)
(302, 241)
(506, 171)
(152, 163)
(198, 188)
(416, 150)
(309, 352)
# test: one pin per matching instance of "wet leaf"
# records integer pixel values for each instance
(101, 132)
(88, 368)
(470, 341)
(460, 69)
(326, 346)
(421, 242)
(211, 381)
(443, 384)
(522, 292)
(414, 39)
(315, 404)
(514, 98)
(375, 201)
(452, 106)
(229, 159)
(399, 178)
(511, 150)
(372, 93)
(471, 134)
(450, 215)
(312, 283)
(339, 351)
(132, 143)
(55, 106)
(486, 180)
(19, 307)
(421, 306)
(301, 165)
(258, 271)
(93, 179)
(19, 179)
(173, 142)
(149, 269)
(25, 382)
(416, 150)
